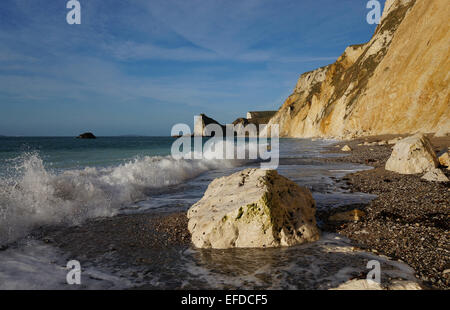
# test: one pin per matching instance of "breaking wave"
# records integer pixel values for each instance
(32, 196)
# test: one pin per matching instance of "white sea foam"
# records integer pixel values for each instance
(217, 148)
(33, 196)
(34, 265)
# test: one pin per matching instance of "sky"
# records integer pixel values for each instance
(138, 67)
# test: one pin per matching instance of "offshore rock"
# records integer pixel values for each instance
(87, 135)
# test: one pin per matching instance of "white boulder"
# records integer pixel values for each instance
(363, 284)
(253, 208)
(444, 159)
(435, 175)
(412, 155)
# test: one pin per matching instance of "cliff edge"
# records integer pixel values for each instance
(396, 83)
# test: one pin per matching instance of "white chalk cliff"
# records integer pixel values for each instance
(398, 82)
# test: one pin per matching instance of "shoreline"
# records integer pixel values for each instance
(151, 238)
(409, 219)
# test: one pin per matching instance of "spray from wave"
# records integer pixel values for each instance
(33, 196)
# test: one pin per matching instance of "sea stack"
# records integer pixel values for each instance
(201, 122)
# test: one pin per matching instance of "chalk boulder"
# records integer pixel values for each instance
(435, 175)
(253, 208)
(363, 284)
(444, 159)
(412, 155)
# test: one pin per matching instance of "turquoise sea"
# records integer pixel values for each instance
(63, 181)
(68, 152)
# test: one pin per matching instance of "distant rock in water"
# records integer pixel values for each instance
(87, 135)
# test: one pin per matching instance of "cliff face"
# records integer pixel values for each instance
(398, 82)
(201, 121)
(241, 125)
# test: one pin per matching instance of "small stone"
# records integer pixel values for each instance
(353, 215)
(435, 175)
(346, 148)
(444, 160)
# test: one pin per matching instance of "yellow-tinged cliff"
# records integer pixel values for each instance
(396, 83)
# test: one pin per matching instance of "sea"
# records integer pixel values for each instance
(63, 181)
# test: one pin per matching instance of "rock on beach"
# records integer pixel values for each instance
(412, 155)
(253, 208)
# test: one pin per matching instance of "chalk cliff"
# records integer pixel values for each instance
(241, 125)
(201, 121)
(398, 82)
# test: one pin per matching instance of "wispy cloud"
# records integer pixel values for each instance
(163, 57)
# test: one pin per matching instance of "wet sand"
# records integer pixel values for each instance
(135, 238)
(410, 219)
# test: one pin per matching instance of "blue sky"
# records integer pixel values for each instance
(141, 66)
